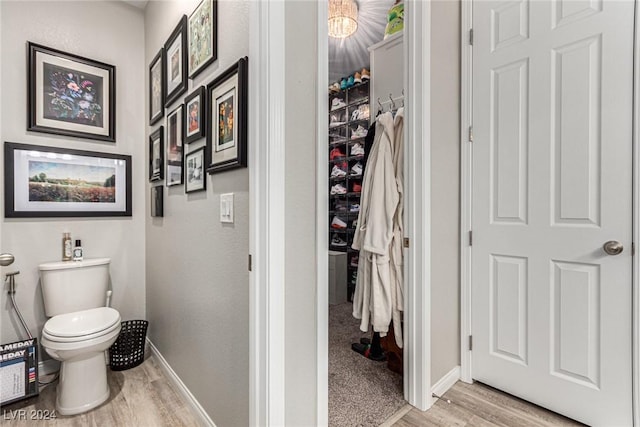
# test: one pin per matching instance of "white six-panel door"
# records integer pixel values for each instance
(552, 182)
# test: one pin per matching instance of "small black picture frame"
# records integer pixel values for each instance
(227, 118)
(157, 77)
(37, 182)
(157, 203)
(156, 155)
(70, 95)
(175, 146)
(195, 123)
(175, 59)
(194, 170)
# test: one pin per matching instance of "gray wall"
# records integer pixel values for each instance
(110, 32)
(445, 187)
(197, 278)
(300, 263)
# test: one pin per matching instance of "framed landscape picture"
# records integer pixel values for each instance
(70, 95)
(175, 136)
(156, 155)
(156, 87)
(58, 182)
(195, 124)
(194, 174)
(227, 115)
(175, 51)
(203, 36)
(157, 208)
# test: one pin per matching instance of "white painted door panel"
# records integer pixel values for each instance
(552, 182)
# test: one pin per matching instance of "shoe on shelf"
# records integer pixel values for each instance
(343, 83)
(356, 187)
(360, 132)
(354, 224)
(337, 241)
(338, 189)
(337, 103)
(357, 150)
(336, 154)
(340, 207)
(354, 261)
(335, 121)
(350, 82)
(336, 172)
(355, 115)
(335, 87)
(338, 224)
(356, 169)
(357, 77)
(365, 74)
(363, 112)
(354, 208)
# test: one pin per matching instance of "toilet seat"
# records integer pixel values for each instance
(81, 325)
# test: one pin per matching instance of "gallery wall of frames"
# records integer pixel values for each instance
(215, 111)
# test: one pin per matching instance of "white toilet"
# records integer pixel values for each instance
(81, 328)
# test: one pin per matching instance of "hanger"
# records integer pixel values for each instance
(379, 107)
(393, 103)
(402, 97)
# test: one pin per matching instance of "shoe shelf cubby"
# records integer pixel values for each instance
(349, 118)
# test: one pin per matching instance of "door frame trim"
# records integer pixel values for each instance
(466, 152)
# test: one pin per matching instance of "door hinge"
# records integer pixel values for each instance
(470, 342)
(470, 238)
(471, 37)
(470, 133)
(250, 263)
(405, 242)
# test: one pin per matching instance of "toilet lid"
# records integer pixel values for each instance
(82, 323)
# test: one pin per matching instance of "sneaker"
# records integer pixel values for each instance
(335, 121)
(338, 189)
(337, 172)
(365, 74)
(363, 112)
(356, 187)
(357, 150)
(354, 208)
(338, 224)
(343, 83)
(340, 207)
(354, 261)
(336, 153)
(360, 132)
(355, 115)
(356, 169)
(357, 77)
(354, 224)
(337, 241)
(337, 103)
(335, 87)
(350, 82)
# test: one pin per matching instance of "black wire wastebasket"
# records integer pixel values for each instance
(128, 350)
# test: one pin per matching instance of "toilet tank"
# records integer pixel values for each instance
(69, 286)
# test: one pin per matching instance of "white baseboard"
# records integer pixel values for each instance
(48, 367)
(446, 382)
(180, 386)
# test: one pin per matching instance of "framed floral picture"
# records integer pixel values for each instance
(156, 87)
(227, 115)
(195, 125)
(203, 36)
(59, 182)
(194, 172)
(175, 137)
(175, 58)
(70, 95)
(156, 155)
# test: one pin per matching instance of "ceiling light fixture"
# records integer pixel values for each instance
(343, 18)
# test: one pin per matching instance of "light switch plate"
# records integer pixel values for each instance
(226, 207)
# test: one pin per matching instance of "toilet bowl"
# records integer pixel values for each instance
(78, 340)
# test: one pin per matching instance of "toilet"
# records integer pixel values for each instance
(79, 331)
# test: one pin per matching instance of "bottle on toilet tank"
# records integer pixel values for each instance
(77, 251)
(67, 251)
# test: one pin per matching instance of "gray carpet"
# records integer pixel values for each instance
(361, 392)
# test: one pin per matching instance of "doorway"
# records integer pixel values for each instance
(551, 192)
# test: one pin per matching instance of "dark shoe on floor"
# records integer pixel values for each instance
(364, 349)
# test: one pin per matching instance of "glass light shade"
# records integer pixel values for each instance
(343, 18)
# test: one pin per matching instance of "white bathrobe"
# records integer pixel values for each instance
(395, 254)
(373, 301)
